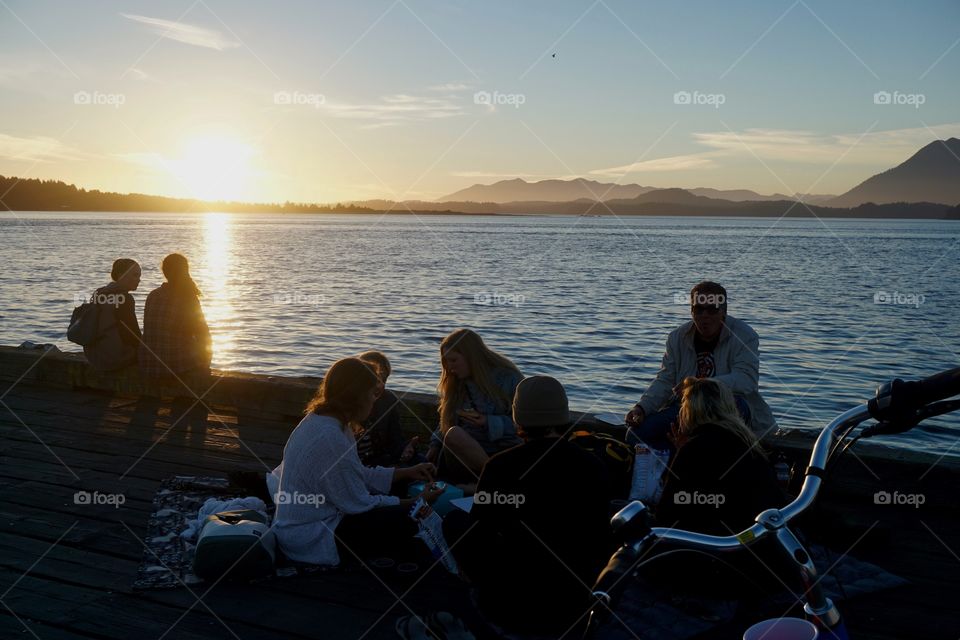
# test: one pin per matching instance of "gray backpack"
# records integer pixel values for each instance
(84, 321)
(94, 327)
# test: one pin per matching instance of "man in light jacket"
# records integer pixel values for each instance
(711, 345)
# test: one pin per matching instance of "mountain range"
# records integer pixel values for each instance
(932, 175)
(518, 190)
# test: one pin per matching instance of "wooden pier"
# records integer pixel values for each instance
(66, 569)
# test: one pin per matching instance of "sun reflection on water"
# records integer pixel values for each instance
(217, 238)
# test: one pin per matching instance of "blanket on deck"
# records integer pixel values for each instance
(168, 557)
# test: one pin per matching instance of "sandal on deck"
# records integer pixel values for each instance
(438, 625)
(413, 628)
(448, 627)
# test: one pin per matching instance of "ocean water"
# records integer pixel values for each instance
(840, 305)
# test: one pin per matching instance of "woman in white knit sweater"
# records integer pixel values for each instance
(328, 502)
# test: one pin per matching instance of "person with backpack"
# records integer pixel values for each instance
(176, 348)
(106, 326)
(538, 533)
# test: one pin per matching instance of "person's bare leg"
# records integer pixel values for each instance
(465, 449)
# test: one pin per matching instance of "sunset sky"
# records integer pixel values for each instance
(414, 99)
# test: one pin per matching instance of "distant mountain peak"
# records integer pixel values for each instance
(932, 174)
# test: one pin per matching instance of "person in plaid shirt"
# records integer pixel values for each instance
(176, 347)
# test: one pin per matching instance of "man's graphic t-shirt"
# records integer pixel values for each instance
(706, 365)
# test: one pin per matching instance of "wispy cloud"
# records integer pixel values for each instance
(146, 159)
(672, 163)
(17, 72)
(450, 87)
(492, 174)
(880, 148)
(380, 125)
(186, 33)
(875, 148)
(139, 74)
(36, 149)
(396, 109)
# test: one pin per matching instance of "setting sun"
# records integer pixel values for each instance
(214, 167)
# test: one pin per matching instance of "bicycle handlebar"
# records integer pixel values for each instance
(894, 399)
(627, 556)
(623, 561)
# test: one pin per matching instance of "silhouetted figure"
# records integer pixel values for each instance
(126, 278)
(538, 533)
(380, 440)
(176, 348)
(118, 311)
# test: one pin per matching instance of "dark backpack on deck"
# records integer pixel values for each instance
(94, 327)
(84, 324)
(616, 456)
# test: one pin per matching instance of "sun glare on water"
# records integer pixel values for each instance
(215, 168)
(219, 264)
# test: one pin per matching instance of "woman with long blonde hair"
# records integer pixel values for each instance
(718, 481)
(707, 401)
(719, 478)
(476, 391)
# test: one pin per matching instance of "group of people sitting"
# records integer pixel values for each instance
(536, 542)
(537, 534)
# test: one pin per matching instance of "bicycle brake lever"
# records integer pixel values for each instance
(891, 427)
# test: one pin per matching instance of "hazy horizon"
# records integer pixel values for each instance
(416, 100)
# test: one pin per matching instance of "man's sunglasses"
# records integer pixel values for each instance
(705, 308)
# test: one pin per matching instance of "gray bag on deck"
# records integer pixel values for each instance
(236, 545)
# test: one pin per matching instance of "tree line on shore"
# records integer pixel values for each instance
(30, 194)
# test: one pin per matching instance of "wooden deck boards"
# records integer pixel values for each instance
(66, 569)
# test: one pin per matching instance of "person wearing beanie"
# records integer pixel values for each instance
(538, 533)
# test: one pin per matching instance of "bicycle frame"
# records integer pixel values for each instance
(817, 605)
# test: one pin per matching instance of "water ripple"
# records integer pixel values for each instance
(589, 300)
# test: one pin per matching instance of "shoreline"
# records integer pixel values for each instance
(415, 213)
